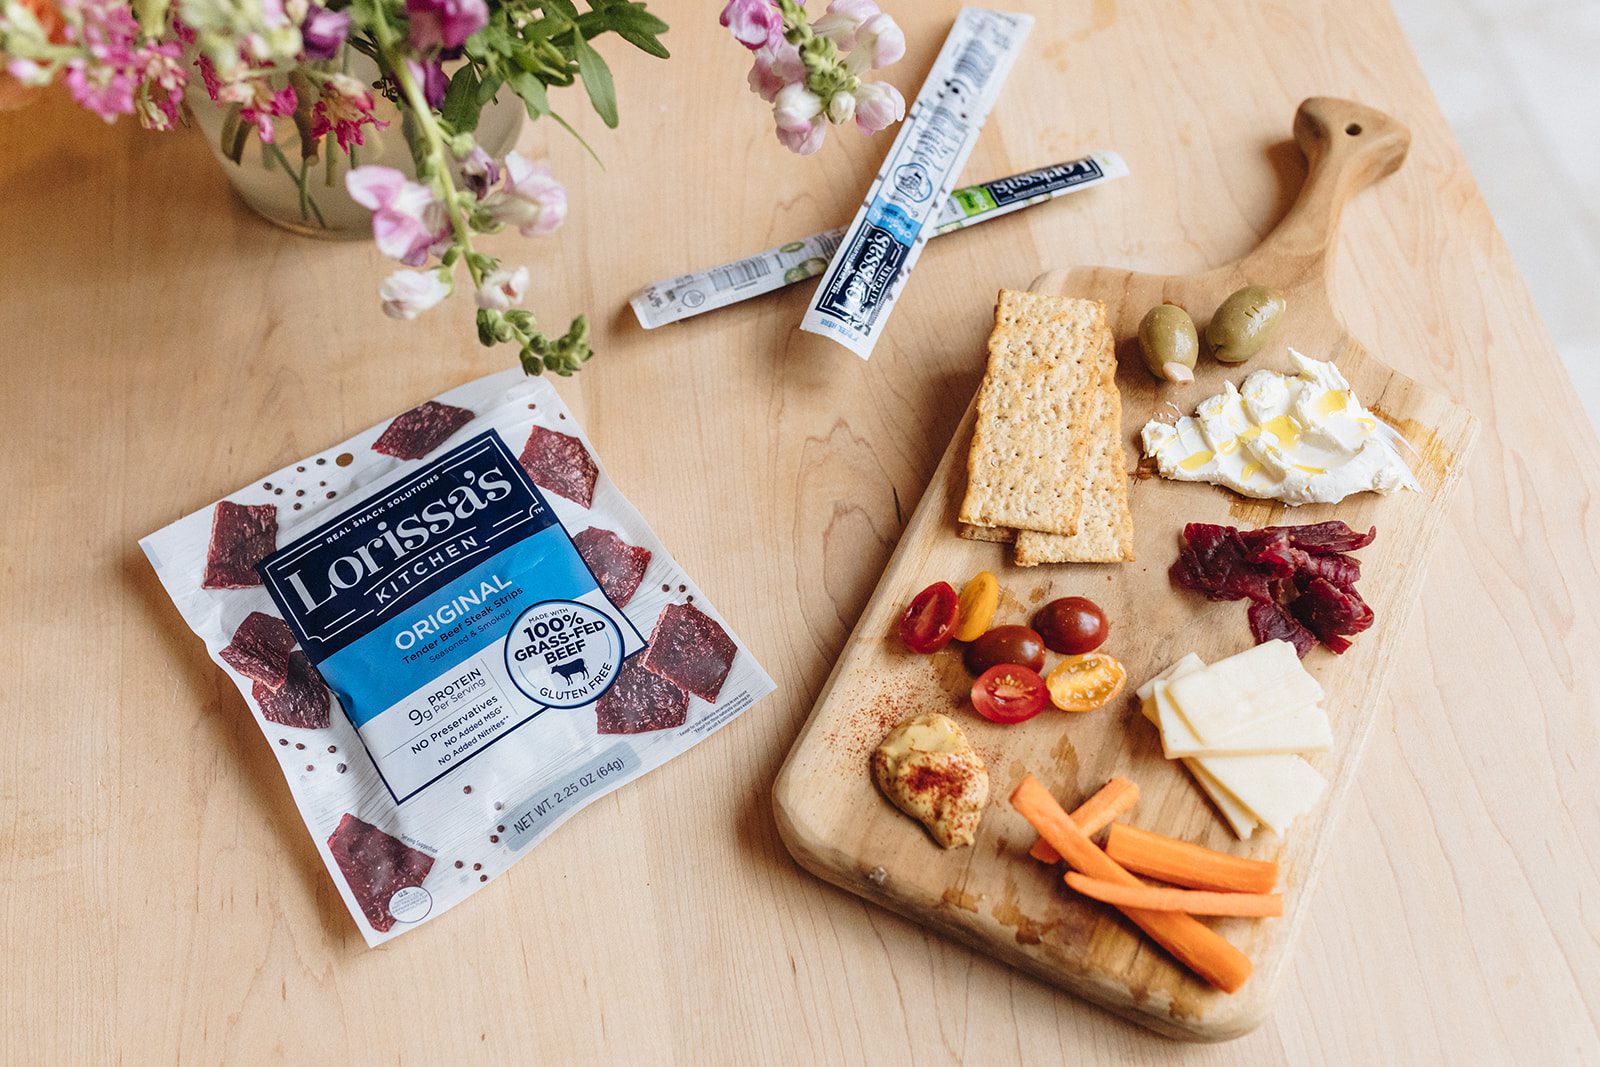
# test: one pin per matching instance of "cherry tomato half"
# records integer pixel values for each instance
(1071, 625)
(1006, 644)
(929, 621)
(1083, 683)
(1009, 692)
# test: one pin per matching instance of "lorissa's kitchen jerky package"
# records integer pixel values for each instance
(455, 632)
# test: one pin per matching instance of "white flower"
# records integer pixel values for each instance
(408, 293)
(842, 108)
(502, 289)
(879, 42)
(795, 107)
(531, 199)
(878, 104)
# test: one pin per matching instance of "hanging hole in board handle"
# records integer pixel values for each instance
(1354, 129)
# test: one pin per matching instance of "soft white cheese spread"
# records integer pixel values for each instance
(1302, 439)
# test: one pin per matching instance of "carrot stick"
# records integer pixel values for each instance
(1190, 901)
(1113, 800)
(1185, 864)
(1195, 945)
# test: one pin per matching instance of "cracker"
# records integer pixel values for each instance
(995, 534)
(1033, 430)
(1105, 529)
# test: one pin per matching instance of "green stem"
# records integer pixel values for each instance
(444, 181)
(308, 206)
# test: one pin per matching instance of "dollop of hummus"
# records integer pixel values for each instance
(926, 767)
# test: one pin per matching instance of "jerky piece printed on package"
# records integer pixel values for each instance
(302, 700)
(639, 702)
(260, 649)
(689, 649)
(415, 433)
(242, 535)
(559, 462)
(376, 866)
(618, 566)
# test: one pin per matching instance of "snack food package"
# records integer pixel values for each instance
(454, 632)
(865, 277)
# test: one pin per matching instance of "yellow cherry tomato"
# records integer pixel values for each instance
(980, 598)
(1083, 683)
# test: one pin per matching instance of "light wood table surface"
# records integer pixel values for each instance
(159, 897)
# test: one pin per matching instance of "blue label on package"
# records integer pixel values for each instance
(447, 611)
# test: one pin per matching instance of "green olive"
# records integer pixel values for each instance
(1169, 343)
(1245, 323)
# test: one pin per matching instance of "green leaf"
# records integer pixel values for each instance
(488, 87)
(645, 44)
(234, 134)
(565, 7)
(151, 15)
(531, 90)
(565, 125)
(634, 17)
(596, 80)
(460, 107)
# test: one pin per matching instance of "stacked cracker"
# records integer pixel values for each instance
(1047, 470)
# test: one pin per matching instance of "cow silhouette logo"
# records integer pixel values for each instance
(570, 670)
(564, 653)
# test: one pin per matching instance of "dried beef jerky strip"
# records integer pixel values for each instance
(376, 866)
(415, 433)
(639, 702)
(242, 535)
(690, 649)
(302, 700)
(559, 462)
(618, 566)
(260, 649)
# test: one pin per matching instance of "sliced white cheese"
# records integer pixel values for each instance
(1236, 814)
(1241, 818)
(1276, 789)
(1187, 665)
(1304, 729)
(1232, 696)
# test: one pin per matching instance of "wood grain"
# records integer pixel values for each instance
(992, 895)
(158, 898)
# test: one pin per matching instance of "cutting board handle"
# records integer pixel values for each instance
(1347, 147)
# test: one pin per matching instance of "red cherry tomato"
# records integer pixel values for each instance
(929, 621)
(1071, 625)
(1009, 692)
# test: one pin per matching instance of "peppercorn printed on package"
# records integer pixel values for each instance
(454, 632)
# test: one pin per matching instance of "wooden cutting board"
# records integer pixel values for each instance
(992, 896)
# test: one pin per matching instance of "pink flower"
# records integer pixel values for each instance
(408, 224)
(105, 78)
(878, 106)
(323, 32)
(754, 22)
(806, 139)
(502, 289)
(777, 63)
(408, 293)
(479, 172)
(879, 42)
(841, 20)
(795, 107)
(344, 107)
(208, 77)
(160, 94)
(445, 23)
(531, 199)
(429, 76)
(261, 105)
